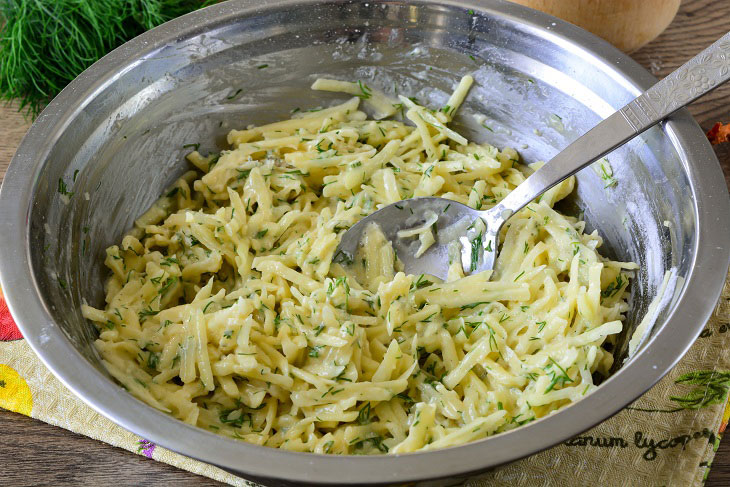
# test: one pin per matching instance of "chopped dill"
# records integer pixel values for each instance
(40, 55)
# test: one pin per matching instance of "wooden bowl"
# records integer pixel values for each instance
(627, 24)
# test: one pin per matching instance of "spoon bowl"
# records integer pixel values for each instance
(453, 222)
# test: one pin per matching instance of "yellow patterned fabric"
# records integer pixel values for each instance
(667, 437)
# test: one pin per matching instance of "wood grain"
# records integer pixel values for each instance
(13, 125)
(34, 453)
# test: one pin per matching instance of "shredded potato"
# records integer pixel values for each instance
(224, 308)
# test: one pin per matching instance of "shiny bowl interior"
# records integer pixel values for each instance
(115, 138)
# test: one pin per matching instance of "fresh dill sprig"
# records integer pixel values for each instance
(45, 44)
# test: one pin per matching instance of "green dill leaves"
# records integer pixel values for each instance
(365, 91)
(558, 377)
(473, 305)
(374, 441)
(342, 258)
(171, 281)
(420, 282)
(153, 360)
(147, 312)
(328, 446)
(167, 261)
(614, 287)
(235, 95)
(40, 55)
(603, 168)
(235, 418)
(476, 250)
(363, 416)
(63, 189)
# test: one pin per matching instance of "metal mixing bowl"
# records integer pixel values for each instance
(115, 136)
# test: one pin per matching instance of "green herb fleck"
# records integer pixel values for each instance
(420, 282)
(614, 287)
(63, 189)
(476, 247)
(556, 379)
(363, 416)
(365, 91)
(234, 95)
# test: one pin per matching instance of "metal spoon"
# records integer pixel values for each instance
(695, 78)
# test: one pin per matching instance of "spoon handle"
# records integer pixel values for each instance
(696, 77)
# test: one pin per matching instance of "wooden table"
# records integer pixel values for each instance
(35, 453)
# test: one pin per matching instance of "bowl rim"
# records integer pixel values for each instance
(22, 293)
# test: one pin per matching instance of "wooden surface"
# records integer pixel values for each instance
(34, 453)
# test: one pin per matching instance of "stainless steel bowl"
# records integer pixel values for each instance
(115, 137)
